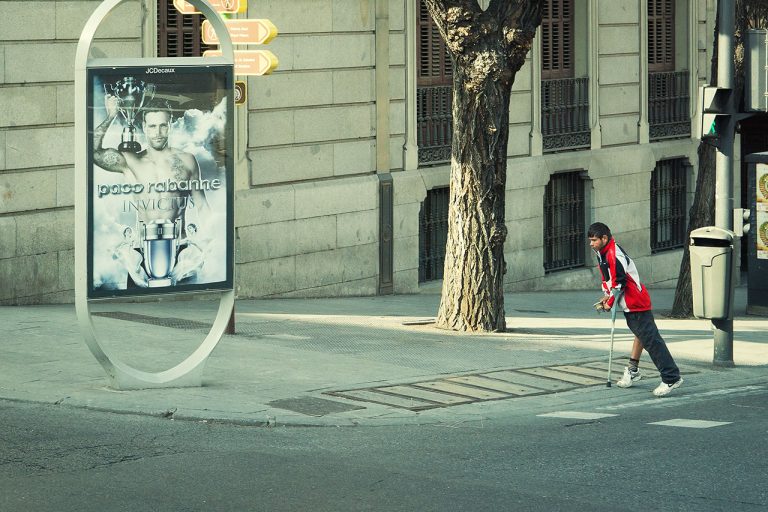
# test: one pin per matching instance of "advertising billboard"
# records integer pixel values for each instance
(160, 179)
(761, 210)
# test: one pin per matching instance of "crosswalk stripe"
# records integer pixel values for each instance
(577, 415)
(680, 422)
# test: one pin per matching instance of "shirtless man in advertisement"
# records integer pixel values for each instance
(164, 186)
(163, 180)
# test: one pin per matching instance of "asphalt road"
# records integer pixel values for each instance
(612, 455)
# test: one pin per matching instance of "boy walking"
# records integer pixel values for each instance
(621, 282)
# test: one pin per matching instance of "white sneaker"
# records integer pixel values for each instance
(629, 378)
(665, 389)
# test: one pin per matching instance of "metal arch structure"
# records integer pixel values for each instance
(189, 372)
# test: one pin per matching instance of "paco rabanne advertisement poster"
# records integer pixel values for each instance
(761, 210)
(160, 179)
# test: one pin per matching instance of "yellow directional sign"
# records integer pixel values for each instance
(221, 6)
(242, 31)
(250, 62)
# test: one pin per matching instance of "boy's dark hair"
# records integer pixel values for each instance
(599, 230)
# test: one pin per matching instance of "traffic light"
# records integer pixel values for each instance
(741, 217)
(715, 109)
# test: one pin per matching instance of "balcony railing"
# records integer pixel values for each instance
(565, 114)
(434, 123)
(668, 105)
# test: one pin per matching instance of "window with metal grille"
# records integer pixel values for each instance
(433, 234)
(434, 91)
(661, 35)
(668, 204)
(668, 87)
(668, 105)
(557, 39)
(178, 35)
(564, 99)
(564, 220)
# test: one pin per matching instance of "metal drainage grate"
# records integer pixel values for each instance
(312, 406)
(491, 385)
(175, 323)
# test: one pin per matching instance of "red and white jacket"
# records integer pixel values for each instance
(619, 272)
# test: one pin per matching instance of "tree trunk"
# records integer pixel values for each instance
(473, 282)
(487, 48)
(702, 214)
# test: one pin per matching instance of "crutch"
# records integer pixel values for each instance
(616, 298)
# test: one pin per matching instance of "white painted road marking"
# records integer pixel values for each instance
(675, 400)
(691, 423)
(678, 422)
(576, 415)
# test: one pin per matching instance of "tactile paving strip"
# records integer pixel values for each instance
(493, 385)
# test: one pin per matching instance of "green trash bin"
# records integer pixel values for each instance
(711, 271)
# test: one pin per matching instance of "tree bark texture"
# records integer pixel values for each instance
(487, 48)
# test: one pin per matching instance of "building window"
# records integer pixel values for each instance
(661, 35)
(564, 99)
(668, 204)
(668, 105)
(178, 35)
(564, 220)
(434, 92)
(433, 234)
(557, 39)
(668, 96)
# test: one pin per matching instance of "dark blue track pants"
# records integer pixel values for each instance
(642, 325)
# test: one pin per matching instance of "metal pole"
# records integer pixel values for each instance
(230, 329)
(723, 328)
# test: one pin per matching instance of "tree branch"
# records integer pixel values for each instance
(454, 20)
(517, 14)
(501, 9)
(519, 20)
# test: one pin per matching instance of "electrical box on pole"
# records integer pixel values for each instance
(756, 71)
(714, 111)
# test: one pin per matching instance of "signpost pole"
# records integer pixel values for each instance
(723, 328)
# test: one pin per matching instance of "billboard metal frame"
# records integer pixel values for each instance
(121, 375)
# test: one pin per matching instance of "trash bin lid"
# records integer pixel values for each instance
(712, 233)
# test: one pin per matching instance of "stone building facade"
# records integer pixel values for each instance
(331, 186)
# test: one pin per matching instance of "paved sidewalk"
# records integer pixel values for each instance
(301, 361)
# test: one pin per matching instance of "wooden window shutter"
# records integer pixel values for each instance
(557, 39)
(178, 35)
(661, 35)
(434, 61)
